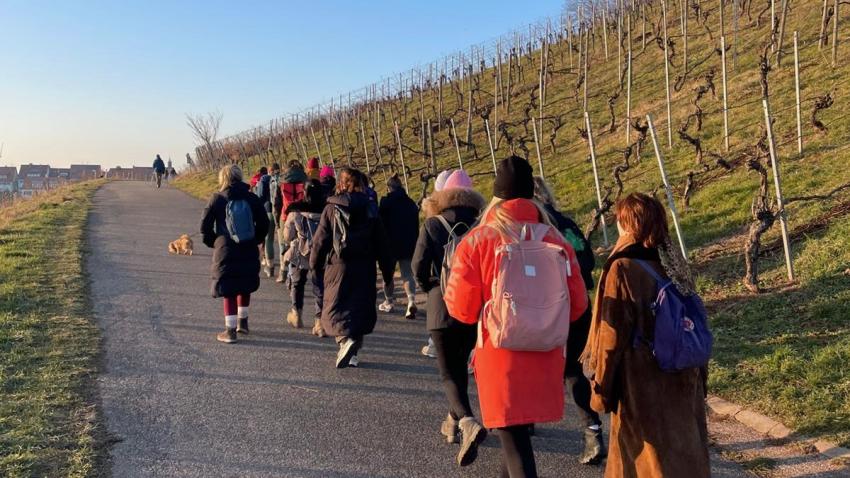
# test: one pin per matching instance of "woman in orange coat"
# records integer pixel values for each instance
(515, 388)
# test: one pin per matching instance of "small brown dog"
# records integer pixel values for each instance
(183, 245)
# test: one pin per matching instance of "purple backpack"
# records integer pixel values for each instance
(682, 339)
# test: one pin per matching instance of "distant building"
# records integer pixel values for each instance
(8, 179)
(84, 172)
(32, 179)
(142, 173)
(120, 173)
(57, 177)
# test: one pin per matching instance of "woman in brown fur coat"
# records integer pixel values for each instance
(658, 424)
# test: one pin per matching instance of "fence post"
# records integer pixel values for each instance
(667, 77)
(596, 178)
(537, 148)
(835, 33)
(725, 95)
(457, 146)
(629, 97)
(797, 88)
(667, 188)
(490, 144)
(401, 156)
(777, 183)
(316, 144)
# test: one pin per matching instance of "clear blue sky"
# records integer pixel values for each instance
(111, 82)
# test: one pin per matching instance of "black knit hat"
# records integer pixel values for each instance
(514, 179)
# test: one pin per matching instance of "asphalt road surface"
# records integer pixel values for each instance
(178, 403)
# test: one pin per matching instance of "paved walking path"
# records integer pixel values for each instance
(180, 404)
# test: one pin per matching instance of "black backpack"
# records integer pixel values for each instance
(351, 240)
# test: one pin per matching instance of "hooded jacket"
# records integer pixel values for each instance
(514, 387)
(400, 216)
(456, 206)
(235, 266)
(350, 294)
(291, 189)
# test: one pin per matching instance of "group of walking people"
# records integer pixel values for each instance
(507, 283)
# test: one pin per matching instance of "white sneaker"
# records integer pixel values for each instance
(411, 311)
(386, 307)
(353, 361)
(429, 350)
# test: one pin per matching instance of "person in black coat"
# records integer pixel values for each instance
(400, 216)
(349, 240)
(453, 341)
(594, 448)
(235, 265)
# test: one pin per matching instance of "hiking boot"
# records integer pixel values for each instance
(242, 328)
(411, 311)
(386, 307)
(227, 337)
(347, 349)
(429, 350)
(472, 434)
(450, 430)
(318, 330)
(594, 447)
(294, 318)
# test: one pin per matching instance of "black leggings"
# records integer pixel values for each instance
(573, 373)
(517, 454)
(453, 346)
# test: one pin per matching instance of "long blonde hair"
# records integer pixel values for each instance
(496, 213)
(228, 175)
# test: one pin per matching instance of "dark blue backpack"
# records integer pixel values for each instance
(239, 220)
(682, 339)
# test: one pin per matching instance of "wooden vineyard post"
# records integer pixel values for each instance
(365, 149)
(667, 77)
(537, 148)
(835, 34)
(667, 189)
(457, 146)
(722, 23)
(431, 148)
(586, 79)
(781, 38)
(777, 183)
(316, 144)
(401, 156)
(330, 151)
(490, 144)
(822, 37)
(797, 91)
(629, 96)
(725, 95)
(596, 178)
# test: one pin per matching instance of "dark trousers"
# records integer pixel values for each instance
(517, 454)
(573, 373)
(453, 346)
(299, 282)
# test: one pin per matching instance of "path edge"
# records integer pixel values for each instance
(771, 428)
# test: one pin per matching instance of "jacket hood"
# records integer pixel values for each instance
(439, 201)
(293, 175)
(353, 201)
(235, 190)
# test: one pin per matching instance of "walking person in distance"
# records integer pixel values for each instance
(234, 224)
(400, 216)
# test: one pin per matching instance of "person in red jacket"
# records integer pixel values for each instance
(515, 388)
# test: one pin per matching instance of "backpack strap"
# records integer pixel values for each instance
(651, 271)
(445, 223)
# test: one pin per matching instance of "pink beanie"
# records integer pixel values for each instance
(458, 179)
(440, 182)
(327, 170)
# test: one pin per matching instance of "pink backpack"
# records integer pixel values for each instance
(530, 305)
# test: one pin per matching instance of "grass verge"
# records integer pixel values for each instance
(48, 340)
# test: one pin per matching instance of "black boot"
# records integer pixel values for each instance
(242, 327)
(594, 447)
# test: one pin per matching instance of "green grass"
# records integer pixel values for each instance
(48, 341)
(783, 352)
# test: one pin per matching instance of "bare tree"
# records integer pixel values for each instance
(205, 130)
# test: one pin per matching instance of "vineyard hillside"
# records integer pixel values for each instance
(781, 346)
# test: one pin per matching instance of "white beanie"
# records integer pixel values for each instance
(440, 182)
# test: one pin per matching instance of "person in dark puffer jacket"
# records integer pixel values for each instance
(235, 266)
(348, 308)
(594, 446)
(459, 206)
(400, 216)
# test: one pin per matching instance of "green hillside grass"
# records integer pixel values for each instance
(783, 352)
(48, 341)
